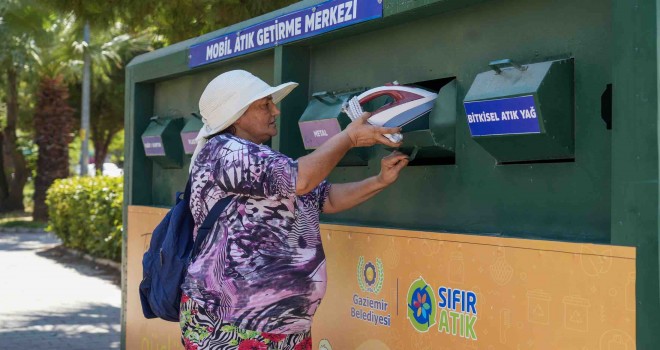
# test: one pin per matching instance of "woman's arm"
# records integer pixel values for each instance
(316, 166)
(348, 195)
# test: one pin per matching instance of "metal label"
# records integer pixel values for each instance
(153, 146)
(189, 141)
(315, 133)
(507, 116)
(305, 23)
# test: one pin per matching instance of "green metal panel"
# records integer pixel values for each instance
(635, 152)
(609, 42)
(420, 7)
(328, 106)
(189, 133)
(433, 138)
(291, 64)
(475, 194)
(192, 125)
(551, 85)
(137, 171)
(167, 132)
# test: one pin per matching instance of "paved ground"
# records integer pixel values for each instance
(52, 300)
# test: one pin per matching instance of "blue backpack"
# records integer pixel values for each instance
(171, 250)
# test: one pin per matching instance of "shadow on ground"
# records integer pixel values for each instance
(85, 267)
(25, 241)
(90, 326)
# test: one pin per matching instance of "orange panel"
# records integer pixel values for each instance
(393, 289)
(141, 333)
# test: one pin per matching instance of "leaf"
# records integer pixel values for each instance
(426, 306)
(381, 276)
(252, 334)
(81, 219)
(227, 328)
(233, 342)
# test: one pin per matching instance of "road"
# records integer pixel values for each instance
(52, 300)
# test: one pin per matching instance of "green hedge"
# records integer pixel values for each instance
(86, 214)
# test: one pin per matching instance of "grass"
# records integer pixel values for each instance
(20, 219)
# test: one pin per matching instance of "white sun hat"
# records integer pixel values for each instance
(227, 97)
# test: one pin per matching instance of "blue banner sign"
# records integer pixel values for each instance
(319, 19)
(507, 116)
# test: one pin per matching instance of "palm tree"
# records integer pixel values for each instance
(181, 20)
(53, 117)
(112, 45)
(110, 50)
(19, 23)
(59, 61)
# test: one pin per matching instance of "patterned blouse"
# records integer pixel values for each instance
(262, 266)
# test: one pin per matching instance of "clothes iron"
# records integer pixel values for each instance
(409, 103)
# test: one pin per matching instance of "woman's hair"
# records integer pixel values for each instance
(230, 130)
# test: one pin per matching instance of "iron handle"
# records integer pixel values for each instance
(325, 97)
(156, 119)
(499, 64)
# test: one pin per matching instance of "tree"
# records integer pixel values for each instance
(110, 50)
(56, 54)
(19, 23)
(175, 20)
(101, 14)
(53, 117)
(53, 122)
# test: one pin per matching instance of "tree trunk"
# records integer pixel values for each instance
(101, 140)
(53, 121)
(4, 185)
(13, 198)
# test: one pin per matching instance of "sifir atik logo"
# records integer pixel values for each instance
(456, 309)
(458, 312)
(421, 305)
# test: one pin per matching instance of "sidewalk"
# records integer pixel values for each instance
(49, 300)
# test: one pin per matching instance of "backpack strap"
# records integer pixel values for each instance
(208, 223)
(186, 192)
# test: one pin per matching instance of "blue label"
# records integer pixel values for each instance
(301, 24)
(507, 116)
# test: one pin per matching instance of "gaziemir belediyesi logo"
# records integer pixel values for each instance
(458, 309)
(370, 279)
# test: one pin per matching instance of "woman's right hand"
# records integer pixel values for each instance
(363, 134)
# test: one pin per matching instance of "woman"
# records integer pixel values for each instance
(260, 274)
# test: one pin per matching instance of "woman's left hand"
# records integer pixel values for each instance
(390, 166)
(347, 195)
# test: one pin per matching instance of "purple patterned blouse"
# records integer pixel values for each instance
(262, 266)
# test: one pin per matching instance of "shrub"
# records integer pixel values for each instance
(86, 214)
